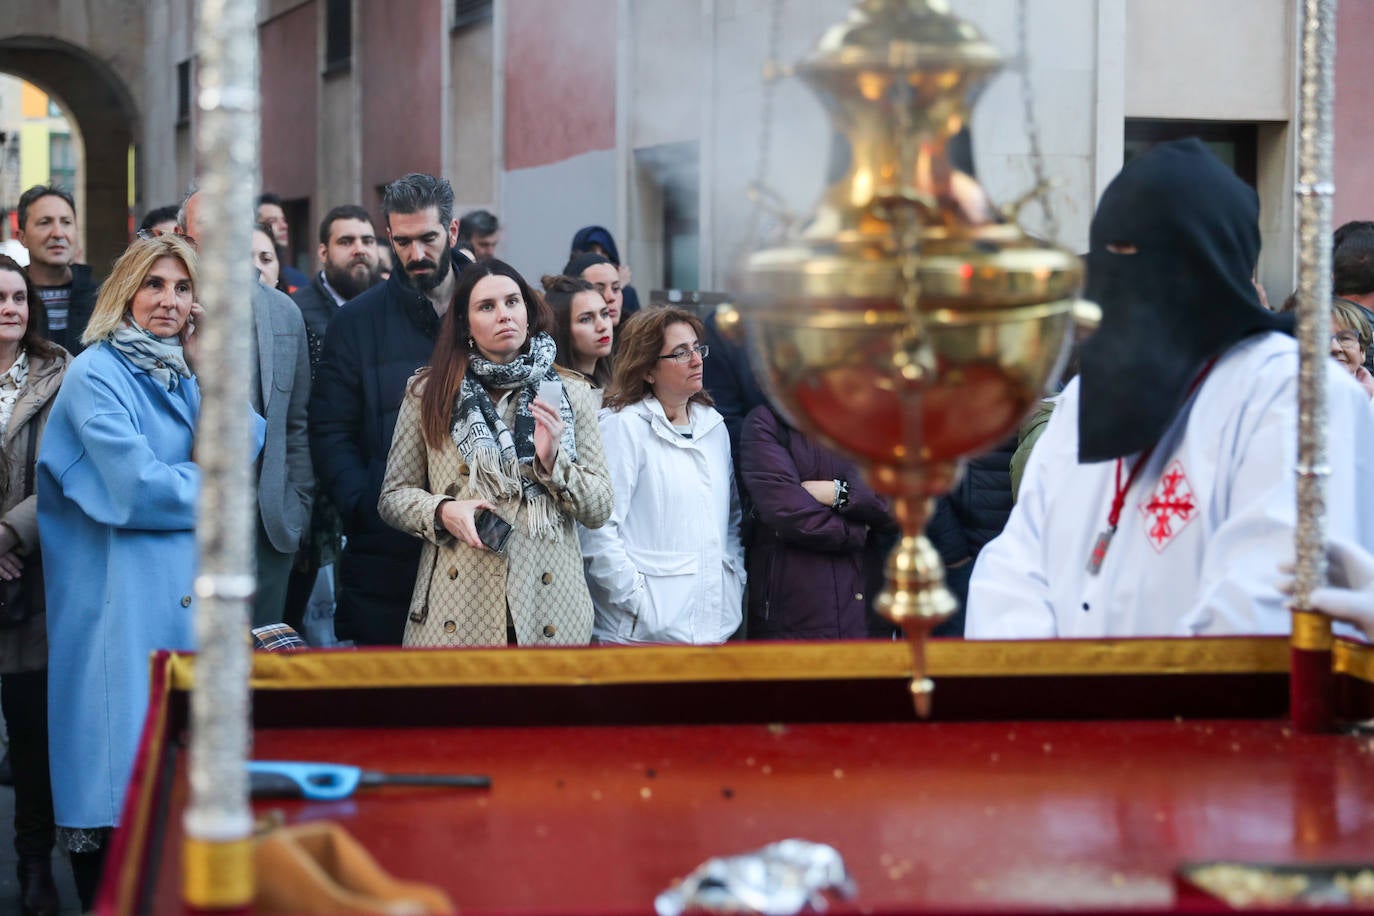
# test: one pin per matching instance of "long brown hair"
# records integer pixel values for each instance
(33, 341)
(444, 375)
(559, 292)
(641, 337)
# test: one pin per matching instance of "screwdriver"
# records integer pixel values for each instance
(334, 781)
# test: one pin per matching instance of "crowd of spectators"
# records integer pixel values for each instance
(444, 455)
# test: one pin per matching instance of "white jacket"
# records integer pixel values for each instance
(669, 566)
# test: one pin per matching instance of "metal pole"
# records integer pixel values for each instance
(1310, 685)
(217, 856)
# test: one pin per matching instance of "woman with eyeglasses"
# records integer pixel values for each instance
(668, 566)
(1350, 338)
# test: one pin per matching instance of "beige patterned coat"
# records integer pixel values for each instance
(461, 593)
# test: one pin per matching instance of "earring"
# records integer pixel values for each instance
(472, 344)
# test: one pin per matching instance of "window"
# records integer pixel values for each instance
(673, 170)
(470, 12)
(184, 93)
(1236, 144)
(61, 160)
(338, 35)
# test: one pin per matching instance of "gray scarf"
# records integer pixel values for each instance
(160, 357)
(493, 451)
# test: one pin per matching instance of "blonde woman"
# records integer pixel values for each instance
(117, 493)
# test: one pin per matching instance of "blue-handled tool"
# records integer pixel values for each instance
(333, 781)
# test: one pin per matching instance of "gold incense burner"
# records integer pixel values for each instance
(907, 323)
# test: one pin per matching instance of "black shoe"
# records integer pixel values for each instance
(37, 892)
(6, 771)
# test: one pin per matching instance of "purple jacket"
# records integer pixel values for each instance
(810, 567)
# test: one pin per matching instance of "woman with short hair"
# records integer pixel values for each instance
(496, 456)
(668, 567)
(1350, 339)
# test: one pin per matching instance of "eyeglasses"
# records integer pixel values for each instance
(1346, 339)
(684, 356)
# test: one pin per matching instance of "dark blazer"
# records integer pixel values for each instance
(811, 569)
(373, 346)
(286, 482)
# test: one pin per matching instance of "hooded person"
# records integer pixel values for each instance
(598, 240)
(1161, 498)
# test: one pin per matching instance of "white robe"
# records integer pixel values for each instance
(1204, 527)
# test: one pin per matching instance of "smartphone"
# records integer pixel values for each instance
(492, 529)
(550, 392)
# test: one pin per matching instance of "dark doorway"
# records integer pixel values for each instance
(1235, 143)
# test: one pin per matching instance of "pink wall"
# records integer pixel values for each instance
(287, 46)
(1354, 116)
(402, 59)
(560, 80)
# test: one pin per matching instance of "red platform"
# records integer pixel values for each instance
(1055, 775)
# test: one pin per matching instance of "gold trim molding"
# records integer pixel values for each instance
(329, 669)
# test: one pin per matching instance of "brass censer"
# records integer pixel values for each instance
(907, 324)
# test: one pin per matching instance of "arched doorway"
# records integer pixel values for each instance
(97, 99)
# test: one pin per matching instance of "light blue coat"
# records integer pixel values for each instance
(117, 494)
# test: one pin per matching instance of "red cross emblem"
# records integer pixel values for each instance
(1169, 507)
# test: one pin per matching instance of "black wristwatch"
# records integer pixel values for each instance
(841, 495)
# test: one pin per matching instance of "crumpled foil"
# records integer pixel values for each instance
(780, 879)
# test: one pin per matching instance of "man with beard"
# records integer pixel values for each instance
(1160, 500)
(348, 251)
(371, 349)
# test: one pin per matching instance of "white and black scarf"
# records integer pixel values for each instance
(494, 452)
(160, 357)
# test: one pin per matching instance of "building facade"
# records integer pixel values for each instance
(650, 117)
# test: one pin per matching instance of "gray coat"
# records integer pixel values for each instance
(286, 483)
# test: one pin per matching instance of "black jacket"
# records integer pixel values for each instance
(730, 381)
(318, 309)
(373, 346)
(982, 499)
(79, 307)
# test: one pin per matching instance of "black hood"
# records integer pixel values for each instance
(1183, 299)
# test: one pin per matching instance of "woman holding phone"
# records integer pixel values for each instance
(117, 492)
(496, 455)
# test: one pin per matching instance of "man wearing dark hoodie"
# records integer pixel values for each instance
(47, 228)
(1160, 500)
(597, 240)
